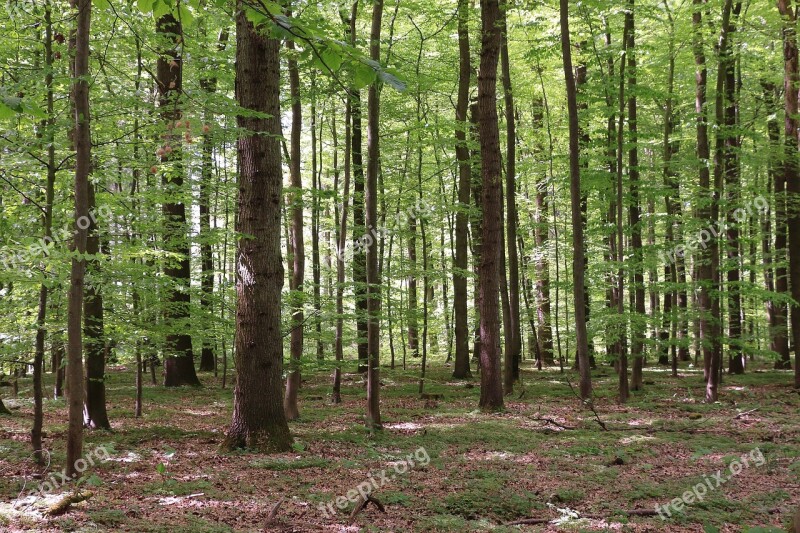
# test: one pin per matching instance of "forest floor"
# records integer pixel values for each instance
(164, 472)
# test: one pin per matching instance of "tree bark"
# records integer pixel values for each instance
(298, 256)
(461, 368)
(581, 336)
(514, 350)
(258, 422)
(638, 333)
(83, 154)
(491, 376)
(95, 415)
(373, 418)
(542, 234)
(179, 358)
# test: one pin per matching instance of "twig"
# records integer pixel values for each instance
(551, 421)
(362, 504)
(740, 415)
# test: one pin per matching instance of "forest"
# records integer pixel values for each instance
(396, 265)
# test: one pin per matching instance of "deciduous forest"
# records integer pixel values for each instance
(396, 265)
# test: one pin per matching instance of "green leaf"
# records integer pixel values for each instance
(185, 16)
(6, 112)
(145, 6)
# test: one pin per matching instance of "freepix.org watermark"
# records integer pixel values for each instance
(710, 484)
(375, 481)
(759, 205)
(420, 209)
(12, 259)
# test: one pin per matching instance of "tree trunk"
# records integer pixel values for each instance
(258, 422)
(298, 256)
(542, 234)
(83, 160)
(514, 350)
(373, 418)
(95, 415)
(638, 333)
(48, 125)
(461, 368)
(208, 358)
(581, 336)
(732, 172)
(179, 359)
(491, 376)
(713, 358)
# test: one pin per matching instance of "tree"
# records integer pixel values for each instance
(297, 245)
(581, 335)
(179, 358)
(373, 419)
(258, 422)
(461, 368)
(791, 167)
(83, 160)
(489, 135)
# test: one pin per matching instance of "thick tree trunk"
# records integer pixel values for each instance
(491, 376)
(179, 358)
(298, 256)
(791, 167)
(373, 418)
(258, 422)
(581, 336)
(461, 368)
(83, 160)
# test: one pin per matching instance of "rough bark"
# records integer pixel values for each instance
(461, 369)
(258, 421)
(179, 358)
(581, 336)
(491, 376)
(95, 415)
(298, 256)
(514, 349)
(373, 418)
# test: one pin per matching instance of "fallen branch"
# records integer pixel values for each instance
(550, 421)
(273, 512)
(362, 504)
(63, 505)
(629, 512)
(740, 415)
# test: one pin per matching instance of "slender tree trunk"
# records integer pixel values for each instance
(581, 336)
(732, 184)
(315, 229)
(714, 358)
(638, 333)
(208, 358)
(83, 160)
(461, 368)
(258, 422)
(514, 350)
(373, 419)
(48, 126)
(774, 177)
(298, 245)
(179, 359)
(491, 376)
(541, 235)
